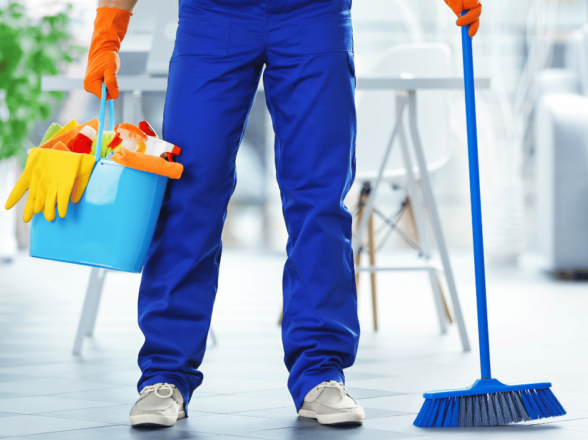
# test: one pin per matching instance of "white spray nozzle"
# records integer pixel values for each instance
(89, 132)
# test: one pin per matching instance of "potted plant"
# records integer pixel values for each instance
(28, 50)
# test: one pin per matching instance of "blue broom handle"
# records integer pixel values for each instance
(101, 120)
(470, 98)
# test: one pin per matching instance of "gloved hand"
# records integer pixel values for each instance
(472, 17)
(49, 176)
(110, 28)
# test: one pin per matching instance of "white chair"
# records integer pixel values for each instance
(376, 115)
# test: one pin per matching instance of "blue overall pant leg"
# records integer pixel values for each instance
(221, 50)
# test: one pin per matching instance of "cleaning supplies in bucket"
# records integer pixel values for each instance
(145, 162)
(68, 135)
(105, 192)
(51, 131)
(60, 168)
(82, 142)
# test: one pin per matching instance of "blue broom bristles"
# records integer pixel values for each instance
(489, 409)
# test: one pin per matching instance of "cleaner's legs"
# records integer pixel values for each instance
(309, 84)
(209, 95)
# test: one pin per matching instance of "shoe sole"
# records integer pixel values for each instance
(334, 419)
(155, 419)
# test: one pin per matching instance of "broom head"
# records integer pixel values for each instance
(488, 403)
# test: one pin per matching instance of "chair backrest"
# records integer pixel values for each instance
(376, 110)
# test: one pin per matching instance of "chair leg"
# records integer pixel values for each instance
(411, 228)
(212, 337)
(438, 298)
(443, 299)
(372, 254)
(96, 305)
(364, 196)
(281, 318)
(88, 310)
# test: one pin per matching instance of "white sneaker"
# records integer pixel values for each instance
(160, 404)
(330, 404)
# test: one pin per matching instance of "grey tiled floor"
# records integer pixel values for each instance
(538, 330)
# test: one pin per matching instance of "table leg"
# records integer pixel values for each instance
(435, 220)
(416, 201)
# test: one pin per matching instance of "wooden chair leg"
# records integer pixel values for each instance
(281, 318)
(372, 253)
(364, 196)
(411, 227)
(445, 306)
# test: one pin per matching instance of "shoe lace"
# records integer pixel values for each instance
(157, 387)
(337, 385)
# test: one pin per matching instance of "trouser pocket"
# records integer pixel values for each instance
(327, 36)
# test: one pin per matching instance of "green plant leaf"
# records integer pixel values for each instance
(28, 50)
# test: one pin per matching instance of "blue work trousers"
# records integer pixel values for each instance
(221, 49)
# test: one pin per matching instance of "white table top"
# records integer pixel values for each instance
(159, 84)
(374, 83)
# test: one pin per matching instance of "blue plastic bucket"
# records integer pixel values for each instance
(111, 226)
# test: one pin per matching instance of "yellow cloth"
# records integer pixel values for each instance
(50, 176)
(67, 127)
(69, 135)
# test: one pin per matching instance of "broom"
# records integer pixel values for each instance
(487, 402)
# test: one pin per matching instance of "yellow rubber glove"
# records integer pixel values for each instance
(82, 177)
(80, 183)
(49, 176)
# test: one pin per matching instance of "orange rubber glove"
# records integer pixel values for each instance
(472, 17)
(110, 28)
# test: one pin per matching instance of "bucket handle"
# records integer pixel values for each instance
(101, 120)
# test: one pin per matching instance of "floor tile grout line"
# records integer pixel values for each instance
(77, 420)
(80, 409)
(106, 425)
